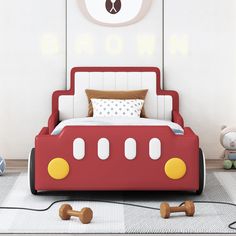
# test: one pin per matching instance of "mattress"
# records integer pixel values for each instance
(118, 121)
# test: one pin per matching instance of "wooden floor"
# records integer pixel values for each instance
(22, 164)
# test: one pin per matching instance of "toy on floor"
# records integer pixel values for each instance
(85, 215)
(2, 165)
(228, 164)
(228, 141)
(188, 207)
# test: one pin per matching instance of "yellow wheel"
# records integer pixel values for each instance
(58, 168)
(175, 168)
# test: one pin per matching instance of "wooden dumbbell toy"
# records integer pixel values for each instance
(188, 207)
(85, 215)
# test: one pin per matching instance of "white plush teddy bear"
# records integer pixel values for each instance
(228, 141)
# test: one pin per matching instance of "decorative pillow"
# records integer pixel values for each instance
(117, 107)
(106, 94)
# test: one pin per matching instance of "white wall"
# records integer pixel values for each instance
(89, 44)
(32, 65)
(200, 62)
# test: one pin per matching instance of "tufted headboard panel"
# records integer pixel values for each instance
(74, 103)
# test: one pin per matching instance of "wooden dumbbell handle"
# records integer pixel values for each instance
(74, 213)
(177, 209)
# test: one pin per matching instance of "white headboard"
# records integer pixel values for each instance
(76, 104)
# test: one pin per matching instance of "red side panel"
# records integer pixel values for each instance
(177, 118)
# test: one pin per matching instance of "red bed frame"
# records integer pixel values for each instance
(117, 172)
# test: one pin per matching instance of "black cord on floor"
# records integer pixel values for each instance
(230, 226)
(76, 200)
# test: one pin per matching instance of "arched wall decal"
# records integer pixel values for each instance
(121, 18)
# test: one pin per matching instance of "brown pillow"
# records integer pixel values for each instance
(105, 94)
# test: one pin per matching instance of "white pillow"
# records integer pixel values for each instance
(117, 107)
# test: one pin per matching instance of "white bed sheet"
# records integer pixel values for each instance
(124, 121)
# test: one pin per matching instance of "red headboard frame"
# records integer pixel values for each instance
(74, 70)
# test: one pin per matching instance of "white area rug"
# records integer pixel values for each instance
(112, 218)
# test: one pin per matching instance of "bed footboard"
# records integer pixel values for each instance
(117, 158)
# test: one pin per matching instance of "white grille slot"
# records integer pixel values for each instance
(155, 148)
(103, 148)
(130, 148)
(79, 149)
